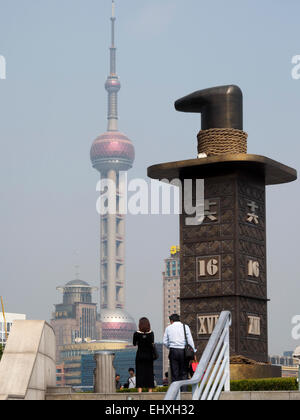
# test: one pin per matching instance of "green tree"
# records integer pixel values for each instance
(1, 350)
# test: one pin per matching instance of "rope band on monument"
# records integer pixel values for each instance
(219, 141)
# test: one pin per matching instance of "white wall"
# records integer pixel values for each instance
(28, 364)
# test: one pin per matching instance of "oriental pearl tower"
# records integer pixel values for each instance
(111, 153)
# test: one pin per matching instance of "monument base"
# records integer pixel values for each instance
(239, 372)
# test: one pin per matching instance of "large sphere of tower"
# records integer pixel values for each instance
(112, 150)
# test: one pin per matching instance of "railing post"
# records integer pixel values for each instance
(213, 372)
(227, 368)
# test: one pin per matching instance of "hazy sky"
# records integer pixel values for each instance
(53, 105)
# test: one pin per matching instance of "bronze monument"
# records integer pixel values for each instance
(223, 259)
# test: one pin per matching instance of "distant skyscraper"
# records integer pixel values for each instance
(171, 291)
(75, 319)
(111, 153)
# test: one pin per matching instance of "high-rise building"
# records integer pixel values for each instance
(111, 153)
(171, 292)
(9, 319)
(76, 319)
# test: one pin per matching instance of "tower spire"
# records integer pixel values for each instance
(113, 20)
(112, 84)
(113, 9)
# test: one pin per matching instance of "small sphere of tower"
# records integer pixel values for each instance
(113, 85)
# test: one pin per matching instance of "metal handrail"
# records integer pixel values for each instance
(213, 371)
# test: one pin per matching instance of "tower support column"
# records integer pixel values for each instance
(111, 251)
(121, 256)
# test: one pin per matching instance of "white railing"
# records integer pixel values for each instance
(213, 372)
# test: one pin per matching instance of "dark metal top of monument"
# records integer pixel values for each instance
(273, 172)
(220, 107)
(222, 143)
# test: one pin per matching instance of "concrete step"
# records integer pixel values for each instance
(133, 396)
(56, 395)
(60, 390)
(261, 396)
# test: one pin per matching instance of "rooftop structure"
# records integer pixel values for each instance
(76, 318)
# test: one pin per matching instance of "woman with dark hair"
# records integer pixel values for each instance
(144, 339)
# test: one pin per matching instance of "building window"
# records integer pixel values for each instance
(168, 269)
(174, 268)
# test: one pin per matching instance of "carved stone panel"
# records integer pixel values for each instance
(223, 264)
